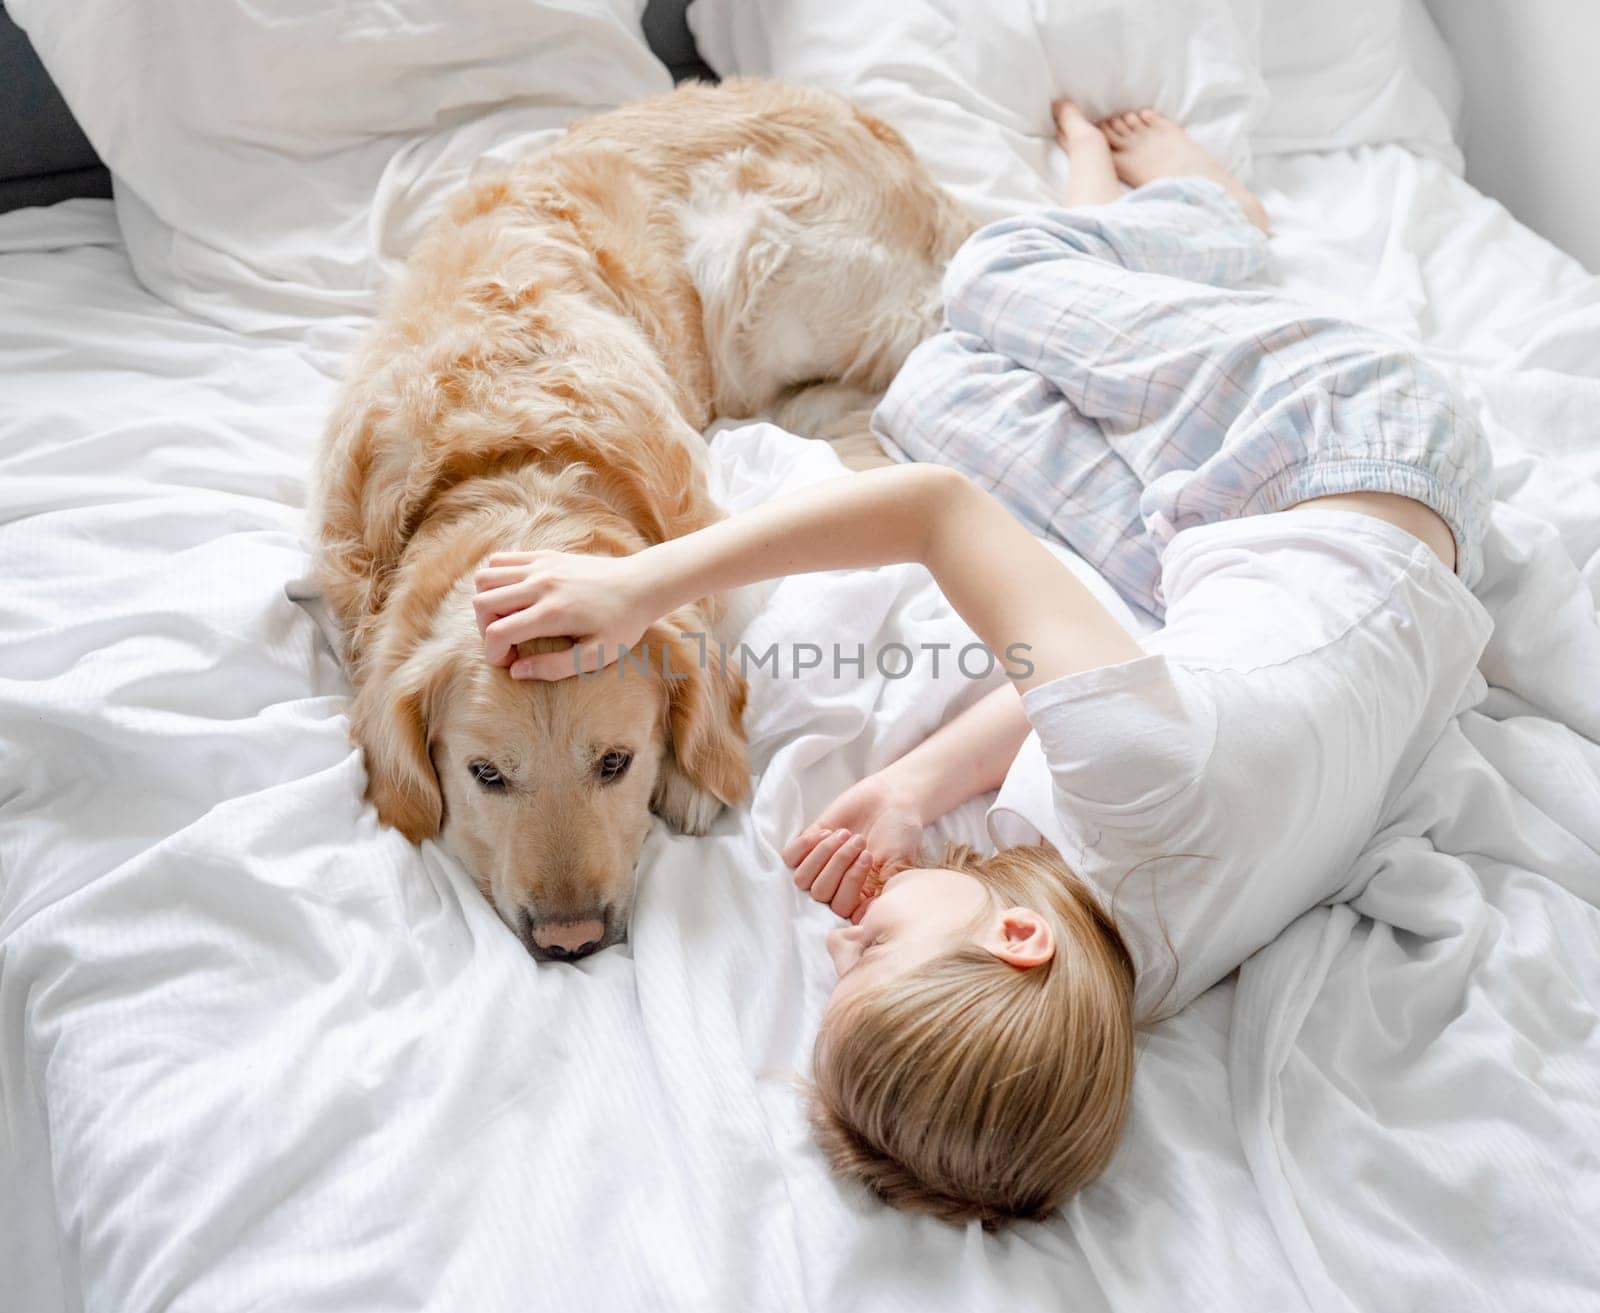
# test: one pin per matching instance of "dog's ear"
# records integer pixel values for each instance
(707, 764)
(389, 719)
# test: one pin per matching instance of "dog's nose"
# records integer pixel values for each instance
(568, 939)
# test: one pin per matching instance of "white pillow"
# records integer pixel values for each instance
(1362, 72)
(272, 157)
(970, 84)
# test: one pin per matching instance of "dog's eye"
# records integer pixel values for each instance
(486, 775)
(614, 765)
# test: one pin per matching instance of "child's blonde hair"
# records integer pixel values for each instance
(969, 1088)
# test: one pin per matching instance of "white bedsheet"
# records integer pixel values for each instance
(257, 1052)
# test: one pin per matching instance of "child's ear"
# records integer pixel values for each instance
(1020, 937)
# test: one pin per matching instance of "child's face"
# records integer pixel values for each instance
(921, 914)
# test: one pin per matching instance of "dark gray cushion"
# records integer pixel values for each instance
(666, 28)
(44, 158)
(48, 188)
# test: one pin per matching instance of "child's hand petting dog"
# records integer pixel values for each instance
(601, 603)
(843, 857)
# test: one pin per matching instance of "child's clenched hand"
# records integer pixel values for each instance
(871, 830)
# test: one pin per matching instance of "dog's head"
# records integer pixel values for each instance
(544, 790)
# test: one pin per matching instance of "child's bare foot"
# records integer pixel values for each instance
(1093, 179)
(1146, 145)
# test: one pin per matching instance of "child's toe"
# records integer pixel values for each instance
(1067, 117)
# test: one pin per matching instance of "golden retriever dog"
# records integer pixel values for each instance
(540, 378)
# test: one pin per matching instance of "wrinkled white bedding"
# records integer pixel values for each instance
(258, 1053)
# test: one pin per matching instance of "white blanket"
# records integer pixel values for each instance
(257, 1052)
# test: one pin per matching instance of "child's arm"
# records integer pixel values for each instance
(1005, 583)
(964, 757)
(877, 824)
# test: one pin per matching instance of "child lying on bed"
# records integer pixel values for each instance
(1300, 500)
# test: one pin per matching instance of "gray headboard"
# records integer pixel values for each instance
(44, 158)
(667, 31)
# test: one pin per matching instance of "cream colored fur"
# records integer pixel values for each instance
(539, 378)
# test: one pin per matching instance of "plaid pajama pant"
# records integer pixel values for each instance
(1103, 379)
